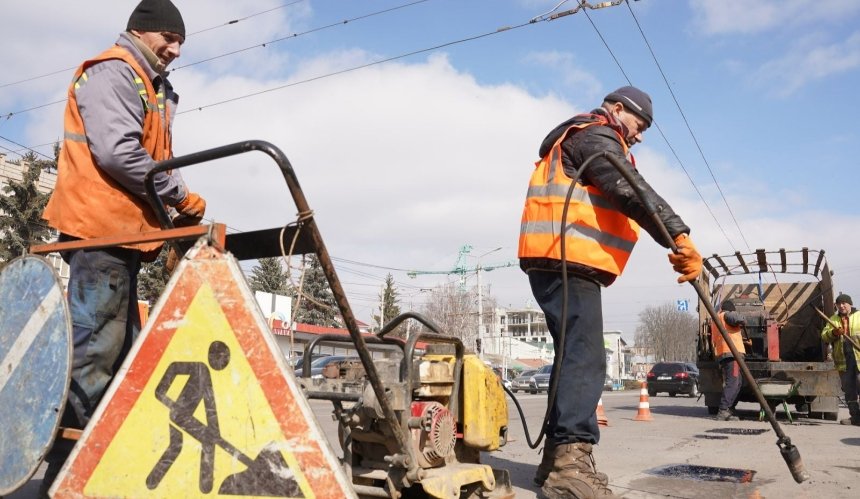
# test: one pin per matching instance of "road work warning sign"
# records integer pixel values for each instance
(203, 406)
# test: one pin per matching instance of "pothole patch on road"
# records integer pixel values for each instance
(704, 473)
(738, 431)
(712, 437)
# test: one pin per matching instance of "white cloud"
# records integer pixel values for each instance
(718, 17)
(572, 75)
(809, 61)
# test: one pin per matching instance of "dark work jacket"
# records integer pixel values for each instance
(600, 173)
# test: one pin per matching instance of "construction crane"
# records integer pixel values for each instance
(461, 269)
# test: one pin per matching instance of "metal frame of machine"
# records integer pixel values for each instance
(412, 427)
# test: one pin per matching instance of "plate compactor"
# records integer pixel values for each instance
(410, 424)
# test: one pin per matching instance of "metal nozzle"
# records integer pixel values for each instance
(795, 464)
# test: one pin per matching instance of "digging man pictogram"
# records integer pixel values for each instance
(197, 389)
(268, 475)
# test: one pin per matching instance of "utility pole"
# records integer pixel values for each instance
(480, 312)
(478, 269)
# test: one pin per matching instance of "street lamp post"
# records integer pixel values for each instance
(481, 302)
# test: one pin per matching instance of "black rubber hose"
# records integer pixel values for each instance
(789, 452)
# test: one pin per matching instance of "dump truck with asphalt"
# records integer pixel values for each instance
(777, 293)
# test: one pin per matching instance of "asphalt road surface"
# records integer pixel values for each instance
(681, 453)
(684, 453)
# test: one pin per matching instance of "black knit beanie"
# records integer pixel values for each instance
(156, 15)
(843, 298)
(635, 101)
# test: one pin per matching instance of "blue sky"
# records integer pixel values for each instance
(405, 162)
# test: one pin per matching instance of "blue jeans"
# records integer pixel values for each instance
(105, 322)
(583, 361)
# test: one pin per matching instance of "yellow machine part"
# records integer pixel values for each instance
(483, 408)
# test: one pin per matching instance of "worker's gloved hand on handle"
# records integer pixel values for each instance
(837, 331)
(687, 261)
(192, 206)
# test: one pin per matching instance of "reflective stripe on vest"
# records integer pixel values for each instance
(721, 349)
(81, 184)
(596, 233)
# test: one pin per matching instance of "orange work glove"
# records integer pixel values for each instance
(687, 261)
(837, 331)
(192, 206)
(172, 260)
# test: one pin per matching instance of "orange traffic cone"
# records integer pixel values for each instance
(644, 413)
(602, 420)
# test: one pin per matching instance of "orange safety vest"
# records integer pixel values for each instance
(721, 349)
(597, 234)
(86, 201)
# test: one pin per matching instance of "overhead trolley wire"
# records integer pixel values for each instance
(665, 139)
(228, 23)
(545, 17)
(296, 35)
(582, 6)
(687, 124)
(235, 21)
(24, 147)
(355, 68)
(264, 44)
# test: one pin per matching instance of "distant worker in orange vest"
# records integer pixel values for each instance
(117, 125)
(602, 227)
(733, 323)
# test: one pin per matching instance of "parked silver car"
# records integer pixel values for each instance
(533, 381)
(522, 382)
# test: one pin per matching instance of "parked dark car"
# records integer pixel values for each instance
(540, 380)
(296, 362)
(317, 365)
(673, 378)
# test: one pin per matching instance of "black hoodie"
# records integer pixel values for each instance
(601, 174)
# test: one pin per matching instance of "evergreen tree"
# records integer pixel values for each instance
(317, 305)
(21, 205)
(390, 307)
(270, 277)
(153, 278)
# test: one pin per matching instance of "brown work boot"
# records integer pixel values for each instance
(726, 415)
(854, 411)
(574, 475)
(545, 465)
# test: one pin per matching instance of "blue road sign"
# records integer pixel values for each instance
(35, 365)
(683, 305)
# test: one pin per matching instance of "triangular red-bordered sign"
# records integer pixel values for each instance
(204, 405)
